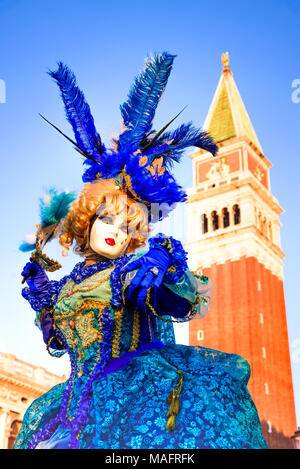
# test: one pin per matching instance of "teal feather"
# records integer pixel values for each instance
(25, 247)
(55, 206)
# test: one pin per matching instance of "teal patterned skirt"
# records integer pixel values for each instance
(129, 407)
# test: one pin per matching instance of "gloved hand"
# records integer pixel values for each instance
(36, 278)
(145, 278)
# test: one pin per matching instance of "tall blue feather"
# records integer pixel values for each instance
(139, 109)
(187, 136)
(77, 111)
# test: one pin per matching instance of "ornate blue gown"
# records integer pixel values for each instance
(128, 372)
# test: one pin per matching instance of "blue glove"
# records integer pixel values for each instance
(144, 278)
(36, 278)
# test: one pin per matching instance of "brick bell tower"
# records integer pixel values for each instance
(233, 237)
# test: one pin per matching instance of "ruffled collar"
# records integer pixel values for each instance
(81, 271)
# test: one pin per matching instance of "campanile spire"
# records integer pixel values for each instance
(227, 116)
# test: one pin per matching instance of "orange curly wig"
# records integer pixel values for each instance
(77, 224)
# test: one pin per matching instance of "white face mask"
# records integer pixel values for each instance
(109, 235)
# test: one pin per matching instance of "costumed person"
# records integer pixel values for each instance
(131, 385)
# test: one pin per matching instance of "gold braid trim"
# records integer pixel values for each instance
(135, 331)
(165, 319)
(49, 342)
(173, 400)
(150, 332)
(54, 327)
(153, 310)
(167, 244)
(117, 333)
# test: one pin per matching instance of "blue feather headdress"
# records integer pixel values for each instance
(140, 159)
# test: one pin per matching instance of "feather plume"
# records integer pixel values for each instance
(157, 135)
(187, 136)
(77, 111)
(54, 206)
(139, 109)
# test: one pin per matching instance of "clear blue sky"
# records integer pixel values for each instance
(105, 44)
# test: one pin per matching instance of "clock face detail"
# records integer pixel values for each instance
(218, 169)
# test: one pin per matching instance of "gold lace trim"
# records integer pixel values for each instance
(117, 333)
(135, 331)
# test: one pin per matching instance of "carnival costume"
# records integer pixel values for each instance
(131, 385)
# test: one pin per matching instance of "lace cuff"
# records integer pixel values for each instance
(196, 289)
(176, 251)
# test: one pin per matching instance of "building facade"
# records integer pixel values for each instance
(234, 238)
(20, 384)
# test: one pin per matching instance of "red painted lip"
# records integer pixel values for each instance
(110, 241)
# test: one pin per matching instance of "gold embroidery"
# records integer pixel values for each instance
(86, 285)
(117, 333)
(70, 418)
(135, 331)
(67, 332)
(83, 324)
(93, 281)
(85, 330)
(66, 290)
(86, 304)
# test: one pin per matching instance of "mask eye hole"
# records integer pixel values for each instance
(124, 228)
(106, 219)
